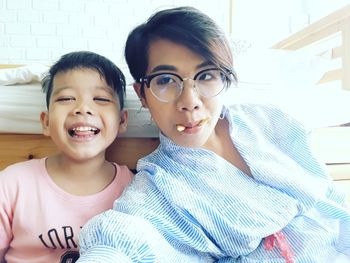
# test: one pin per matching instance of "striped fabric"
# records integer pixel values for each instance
(191, 205)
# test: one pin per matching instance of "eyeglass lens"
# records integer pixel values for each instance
(168, 87)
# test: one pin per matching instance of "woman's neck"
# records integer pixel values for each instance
(221, 143)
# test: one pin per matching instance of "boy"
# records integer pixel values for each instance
(45, 202)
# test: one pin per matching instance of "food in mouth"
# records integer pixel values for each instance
(180, 127)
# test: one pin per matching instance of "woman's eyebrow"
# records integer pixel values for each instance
(173, 68)
(163, 67)
(204, 64)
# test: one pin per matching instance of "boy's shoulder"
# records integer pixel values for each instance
(24, 168)
(124, 172)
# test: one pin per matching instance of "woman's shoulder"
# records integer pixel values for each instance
(268, 120)
(263, 114)
(253, 109)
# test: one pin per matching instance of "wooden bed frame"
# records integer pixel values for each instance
(21, 147)
(332, 144)
(335, 23)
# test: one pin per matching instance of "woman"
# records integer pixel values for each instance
(226, 184)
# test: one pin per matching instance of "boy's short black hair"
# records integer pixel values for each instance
(113, 76)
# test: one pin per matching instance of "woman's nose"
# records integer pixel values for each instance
(189, 99)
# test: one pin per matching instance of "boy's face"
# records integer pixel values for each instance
(84, 114)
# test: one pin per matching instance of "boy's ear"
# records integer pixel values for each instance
(137, 88)
(123, 121)
(44, 119)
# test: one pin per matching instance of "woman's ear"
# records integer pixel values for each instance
(44, 119)
(123, 121)
(137, 88)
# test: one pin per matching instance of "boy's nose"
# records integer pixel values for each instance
(189, 99)
(83, 109)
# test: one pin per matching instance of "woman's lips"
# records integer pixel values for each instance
(181, 128)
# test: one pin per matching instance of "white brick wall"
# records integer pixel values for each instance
(37, 31)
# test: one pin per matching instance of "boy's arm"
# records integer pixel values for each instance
(2, 255)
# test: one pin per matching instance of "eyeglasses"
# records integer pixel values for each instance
(208, 83)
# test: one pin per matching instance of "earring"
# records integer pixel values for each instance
(139, 110)
(138, 114)
(150, 121)
(223, 113)
(141, 115)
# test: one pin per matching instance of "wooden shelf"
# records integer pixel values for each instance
(332, 144)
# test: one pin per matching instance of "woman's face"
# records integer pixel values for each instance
(189, 120)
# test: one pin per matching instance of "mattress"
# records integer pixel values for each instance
(21, 104)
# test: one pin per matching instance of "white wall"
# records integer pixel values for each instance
(40, 31)
(267, 22)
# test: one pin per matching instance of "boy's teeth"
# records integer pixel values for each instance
(180, 127)
(82, 129)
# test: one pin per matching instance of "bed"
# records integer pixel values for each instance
(21, 138)
(330, 37)
(20, 131)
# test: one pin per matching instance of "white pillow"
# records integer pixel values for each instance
(21, 75)
(280, 68)
(314, 107)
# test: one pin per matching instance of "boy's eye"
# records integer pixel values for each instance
(65, 99)
(102, 99)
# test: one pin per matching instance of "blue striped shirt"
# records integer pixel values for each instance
(191, 205)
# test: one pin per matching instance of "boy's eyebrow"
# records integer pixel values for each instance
(105, 88)
(173, 68)
(59, 89)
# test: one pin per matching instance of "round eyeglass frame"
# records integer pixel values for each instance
(227, 74)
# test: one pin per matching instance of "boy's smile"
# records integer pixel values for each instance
(83, 131)
(84, 114)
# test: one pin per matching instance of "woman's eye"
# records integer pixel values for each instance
(164, 80)
(205, 76)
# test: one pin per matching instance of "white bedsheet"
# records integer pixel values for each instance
(20, 107)
(315, 107)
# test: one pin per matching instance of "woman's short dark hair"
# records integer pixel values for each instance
(113, 76)
(183, 25)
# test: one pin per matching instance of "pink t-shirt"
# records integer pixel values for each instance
(40, 222)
